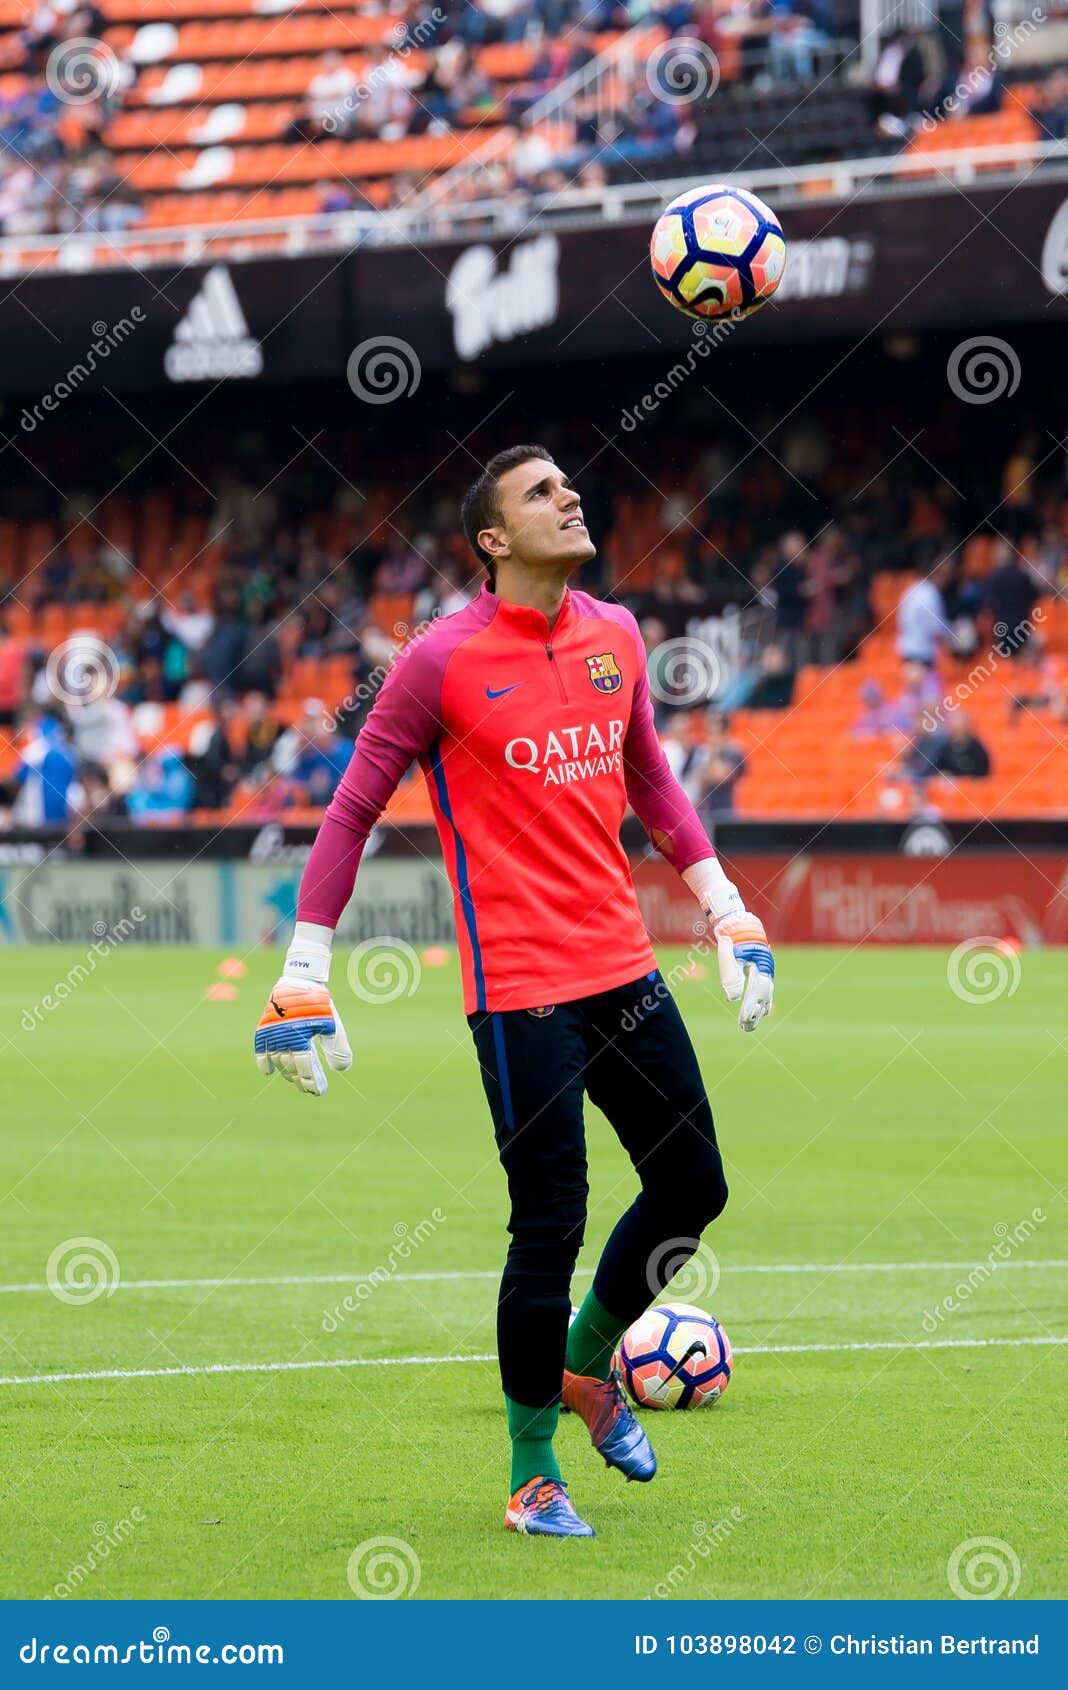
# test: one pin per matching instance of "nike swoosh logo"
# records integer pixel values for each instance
(500, 691)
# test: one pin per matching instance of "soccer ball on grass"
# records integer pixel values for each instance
(675, 1356)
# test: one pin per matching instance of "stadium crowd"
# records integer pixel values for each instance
(770, 567)
(61, 171)
(57, 173)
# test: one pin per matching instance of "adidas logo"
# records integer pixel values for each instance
(212, 342)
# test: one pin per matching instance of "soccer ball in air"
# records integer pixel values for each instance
(675, 1356)
(718, 252)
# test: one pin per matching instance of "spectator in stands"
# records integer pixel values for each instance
(385, 108)
(94, 801)
(724, 767)
(212, 760)
(1040, 682)
(957, 749)
(260, 663)
(529, 154)
(1040, 555)
(469, 87)
(764, 682)
(685, 741)
(332, 104)
(899, 75)
(872, 722)
(973, 87)
(226, 644)
(787, 583)
(293, 740)
(659, 664)
(920, 697)
(321, 764)
(1011, 592)
(44, 773)
(827, 573)
(1054, 115)
(162, 791)
(797, 34)
(609, 14)
(774, 687)
(1019, 479)
(102, 729)
(188, 623)
(922, 627)
(261, 733)
(914, 761)
(13, 674)
(175, 665)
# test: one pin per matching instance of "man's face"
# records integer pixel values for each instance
(541, 518)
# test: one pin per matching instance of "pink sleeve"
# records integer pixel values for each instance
(403, 722)
(656, 797)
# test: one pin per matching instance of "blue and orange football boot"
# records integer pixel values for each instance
(296, 1015)
(542, 1508)
(611, 1423)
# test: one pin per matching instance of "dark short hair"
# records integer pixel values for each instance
(481, 507)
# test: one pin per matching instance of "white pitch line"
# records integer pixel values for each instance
(495, 1273)
(441, 1361)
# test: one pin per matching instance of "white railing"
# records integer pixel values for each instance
(821, 183)
(593, 81)
(594, 91)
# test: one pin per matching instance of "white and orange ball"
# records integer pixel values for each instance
(676, 1356)
(718, 252)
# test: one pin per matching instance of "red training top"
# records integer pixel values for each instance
(532, 744)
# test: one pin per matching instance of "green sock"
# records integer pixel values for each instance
(593, 1336)
(531, 1431)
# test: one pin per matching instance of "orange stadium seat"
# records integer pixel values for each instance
(1009, 127)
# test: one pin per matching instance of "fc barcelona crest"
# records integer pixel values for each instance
(604, 672)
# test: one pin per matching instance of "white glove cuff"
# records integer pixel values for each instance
(308, 956)
(710, 886)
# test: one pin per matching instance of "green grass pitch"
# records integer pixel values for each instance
(875, 1131)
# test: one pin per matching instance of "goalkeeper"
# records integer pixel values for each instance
(529, 714)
